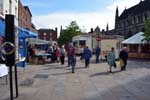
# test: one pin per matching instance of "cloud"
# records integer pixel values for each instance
(84, 20)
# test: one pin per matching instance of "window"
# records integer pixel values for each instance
(16, 11)
(139, 19)
(145, 48)
(133, 48)
(1, 7)
(145, 15)
(10, 6)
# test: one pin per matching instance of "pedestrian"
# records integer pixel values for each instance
(57, 53)
(68, 57)
(81, 52)
(123, 56)
(62, 54)
(72, 56)
(97, 52)
(87, 56)
(111, 59)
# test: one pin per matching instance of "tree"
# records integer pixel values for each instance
(147, 31)
(67, 34)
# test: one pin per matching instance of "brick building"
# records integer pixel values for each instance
(25, 18)
(47, 34)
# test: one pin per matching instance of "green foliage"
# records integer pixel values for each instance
(147, 31)
(67, 34)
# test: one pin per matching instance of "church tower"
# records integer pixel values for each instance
(116, 17)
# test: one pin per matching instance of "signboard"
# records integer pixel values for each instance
(98, 38)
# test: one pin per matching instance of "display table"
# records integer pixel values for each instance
(40, 58)
(3, 70)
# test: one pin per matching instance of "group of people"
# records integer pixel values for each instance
(69, 51)
(123, 55)
(58, 54)
(86, 54)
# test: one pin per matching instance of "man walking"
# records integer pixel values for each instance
(72, 57)
(98, 50)
(87, 56)
(124, 56)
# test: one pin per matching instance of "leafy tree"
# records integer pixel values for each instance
(147, 31)
(67, 34)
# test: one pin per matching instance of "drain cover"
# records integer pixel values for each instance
(41, 76)
(27, 82)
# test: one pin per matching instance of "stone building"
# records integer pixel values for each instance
(132, 20)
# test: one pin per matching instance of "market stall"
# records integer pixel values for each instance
(137, 47)
(22, 36)
(40, 51)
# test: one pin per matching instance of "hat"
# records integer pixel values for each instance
(124, 48)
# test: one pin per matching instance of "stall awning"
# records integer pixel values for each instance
(2, 27)
(38, 41)
(135, 39)
(24, 33)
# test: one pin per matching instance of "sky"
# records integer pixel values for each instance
(87, 13)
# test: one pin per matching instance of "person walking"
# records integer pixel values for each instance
(72, 56)
(81, 52)
(123, 56)
(87, 56)
(97, 52)
(57, 53)
(68, 57)
(111, 59)
(62, 54)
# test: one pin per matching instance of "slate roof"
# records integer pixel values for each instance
(137, 9)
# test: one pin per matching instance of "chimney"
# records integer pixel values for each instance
(92, 30)
(56, 29)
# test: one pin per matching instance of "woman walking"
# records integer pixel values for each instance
(111, 59)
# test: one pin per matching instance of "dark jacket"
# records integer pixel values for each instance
(98, 50)
(123, 55)
(87, 53)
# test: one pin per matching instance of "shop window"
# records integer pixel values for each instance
(133, 48)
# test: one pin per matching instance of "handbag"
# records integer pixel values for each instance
(121, 63)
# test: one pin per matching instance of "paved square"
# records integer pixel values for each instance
(56, 82)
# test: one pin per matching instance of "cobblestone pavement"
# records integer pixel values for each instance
(56, 82)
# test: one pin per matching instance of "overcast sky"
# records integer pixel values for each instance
(87, 13)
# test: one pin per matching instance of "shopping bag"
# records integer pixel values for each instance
(115, 66)
(121, 63)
